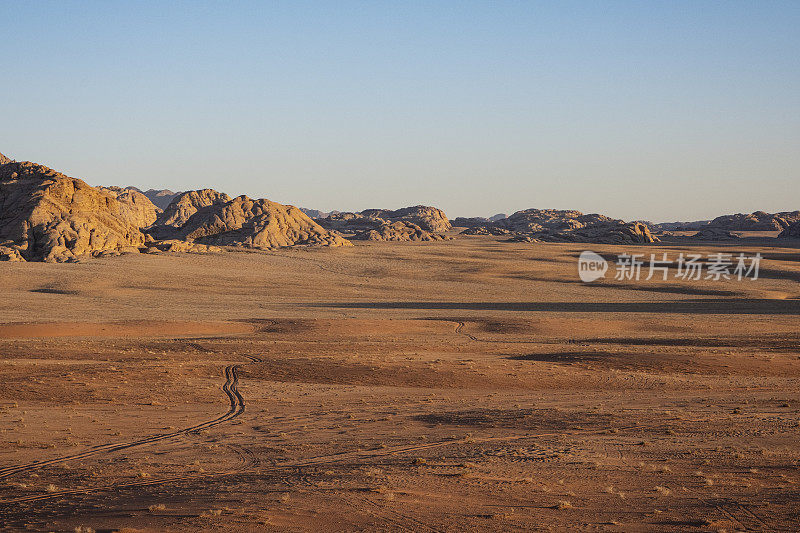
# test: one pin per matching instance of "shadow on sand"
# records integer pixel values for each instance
(716, 306)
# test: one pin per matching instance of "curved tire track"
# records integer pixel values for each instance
(236, 408)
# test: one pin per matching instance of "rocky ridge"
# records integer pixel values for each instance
(427, 218)
(240, 221)
(552, 225)
(48, 216)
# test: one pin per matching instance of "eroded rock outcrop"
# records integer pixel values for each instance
(714, 234)
(398, 231)
(534, 220)
(186, 204)
(138, 208)
(603, 233)
(243, 221)
(45, 215)
(757, 221)
(428, 218)
(471, 222)
(486, 229)
(553, 225)
(792, 232)
(174, 245)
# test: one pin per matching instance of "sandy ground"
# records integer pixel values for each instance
(461, 385)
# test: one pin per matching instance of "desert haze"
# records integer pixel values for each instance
(197, 361)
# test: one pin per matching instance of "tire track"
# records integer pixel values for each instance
(235, 409)
(286, 465)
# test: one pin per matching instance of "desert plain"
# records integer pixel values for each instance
(459, 385)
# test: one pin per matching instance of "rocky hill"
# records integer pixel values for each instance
(139, 209)
(471, 222)
(758, 221)
(553, 225)
(186, 204)
(241, 221)
(791, 232)
(533, 220)
(611, 232)
(427, 218)
(398, 231)
(47, 216)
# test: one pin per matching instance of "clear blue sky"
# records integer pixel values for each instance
(665, 110)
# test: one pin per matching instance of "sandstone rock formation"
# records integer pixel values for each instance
(186, 204)
(45, 215)
(612, 232)
(4, 160)
(714, 234)
(426, 217)
(398, 231)
(240, 222)
(488, 229)
(792, 232)
(533, 220)
(472, 222)
(138, 209)
(173, 245)
(758, 221)
(552, 225)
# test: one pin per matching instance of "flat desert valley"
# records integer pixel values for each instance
(456, 385)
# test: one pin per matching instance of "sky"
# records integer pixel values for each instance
(656, 110)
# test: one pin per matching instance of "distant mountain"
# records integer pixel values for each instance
(681, 226)
(161, 198)
(316, 213)
(756, 221)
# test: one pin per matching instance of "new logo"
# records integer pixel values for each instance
(591, 266)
